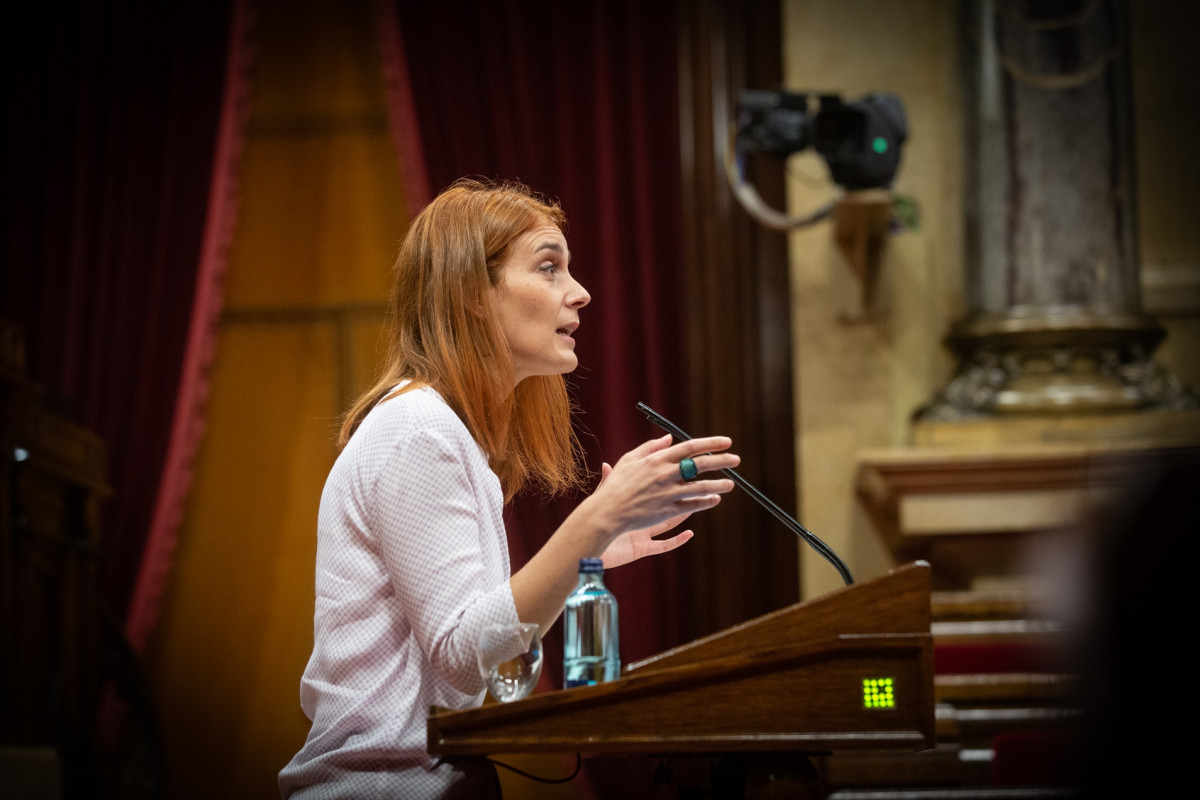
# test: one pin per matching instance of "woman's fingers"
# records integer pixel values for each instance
(699, 488)
(647, 485)
(651, 446)
(694, 504)
(698, 495)
(694, 447)
(685, 449)
(710, 463)
(660, 546)
(698, 456)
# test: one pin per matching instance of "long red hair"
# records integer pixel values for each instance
(444, 334)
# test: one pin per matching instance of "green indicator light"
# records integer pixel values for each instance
(880, 145)
(878, 693)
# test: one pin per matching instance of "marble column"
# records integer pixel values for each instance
(1054, 318)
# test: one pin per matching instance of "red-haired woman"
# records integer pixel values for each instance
(412, 556)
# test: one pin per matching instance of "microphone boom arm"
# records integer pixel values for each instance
(764, 501)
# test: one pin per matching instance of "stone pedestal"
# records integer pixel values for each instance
(1054, 320)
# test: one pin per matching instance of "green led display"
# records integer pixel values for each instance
(878, 693)
(880, 145)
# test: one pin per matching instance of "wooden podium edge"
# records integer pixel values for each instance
(489, 729)
(885, 619)
(898, 601)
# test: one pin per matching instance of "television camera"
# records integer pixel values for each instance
(860, 141)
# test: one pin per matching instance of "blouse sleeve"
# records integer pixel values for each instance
(440, 551)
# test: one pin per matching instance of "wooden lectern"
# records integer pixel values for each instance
(850, 669)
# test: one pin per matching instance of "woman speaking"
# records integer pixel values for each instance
(412, 555)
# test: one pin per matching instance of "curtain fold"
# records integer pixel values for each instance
(191, 400)
(401, 109)
(113, 250)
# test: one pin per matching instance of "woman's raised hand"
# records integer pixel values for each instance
(640, 543)
(642, 496)
(645, 494)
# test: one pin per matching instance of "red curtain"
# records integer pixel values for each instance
(121, 156)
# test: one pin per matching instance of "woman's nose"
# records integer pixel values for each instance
(579, 296)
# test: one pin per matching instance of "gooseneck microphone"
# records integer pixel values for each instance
(764, 501)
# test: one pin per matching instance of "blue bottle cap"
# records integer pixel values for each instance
(591, 565)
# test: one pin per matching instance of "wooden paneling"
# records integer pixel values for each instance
(742, 562)
(770, 684)
(321, 217)
(52, 485)
(237, 627)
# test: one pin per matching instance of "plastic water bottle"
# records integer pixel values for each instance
(591, 650)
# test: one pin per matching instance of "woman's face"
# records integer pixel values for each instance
(537, 302)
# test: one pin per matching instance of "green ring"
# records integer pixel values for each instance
(687, 468)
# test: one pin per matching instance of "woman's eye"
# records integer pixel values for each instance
(548, 268)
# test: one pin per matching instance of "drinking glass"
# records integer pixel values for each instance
(510, 659)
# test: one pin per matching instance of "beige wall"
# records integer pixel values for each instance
(857, 383)
(858, 379)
